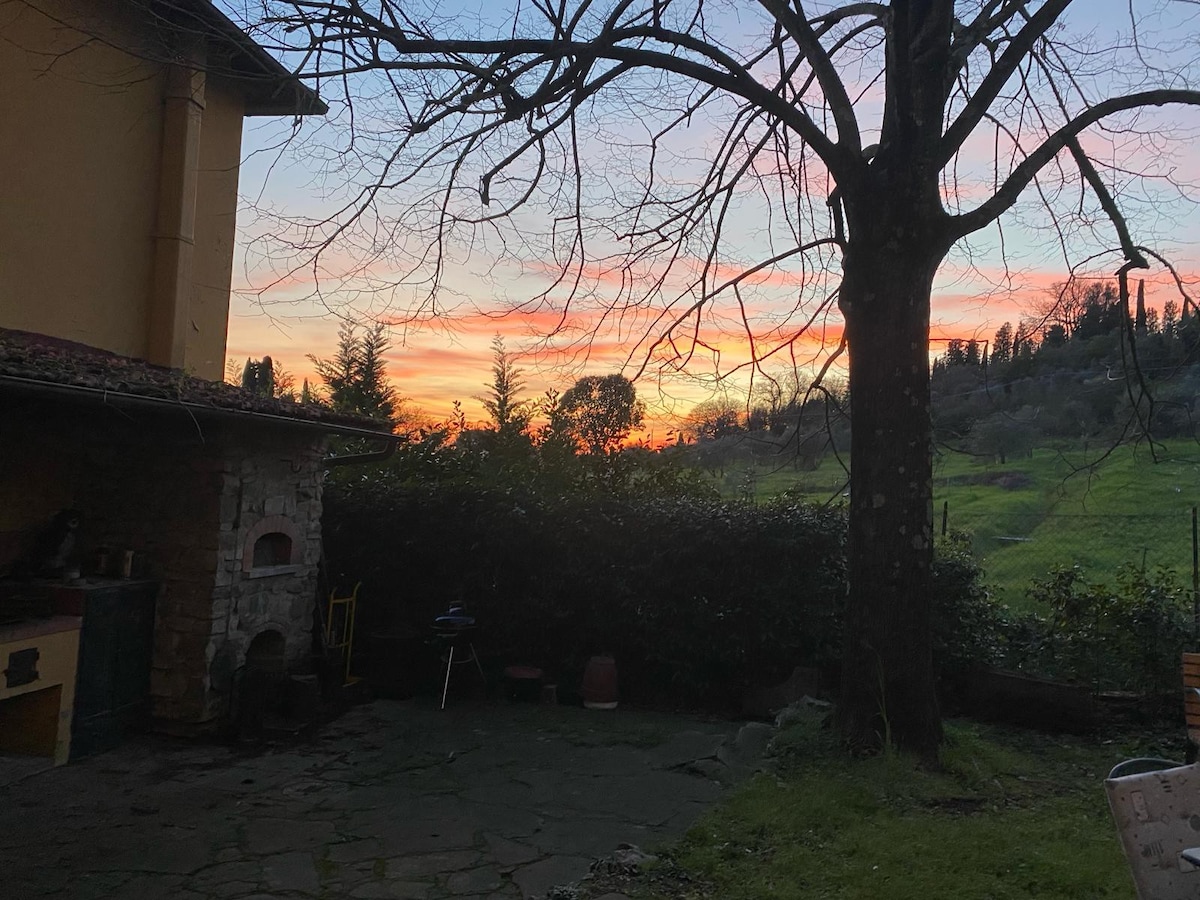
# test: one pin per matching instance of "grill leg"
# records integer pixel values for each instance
(449, 666)
(478, 665)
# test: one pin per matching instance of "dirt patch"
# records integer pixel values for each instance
(964, 806)
(1009, 481)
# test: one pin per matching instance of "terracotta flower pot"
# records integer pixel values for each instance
(600, 683)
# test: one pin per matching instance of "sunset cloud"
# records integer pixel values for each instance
(619, 319)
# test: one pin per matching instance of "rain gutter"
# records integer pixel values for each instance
(105, 397)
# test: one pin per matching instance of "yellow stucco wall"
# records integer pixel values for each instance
(81, 149)
(216, 231)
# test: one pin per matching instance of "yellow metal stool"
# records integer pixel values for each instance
(339, 628)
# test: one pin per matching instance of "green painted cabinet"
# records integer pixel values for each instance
(116, 645)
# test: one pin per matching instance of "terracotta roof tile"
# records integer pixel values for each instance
(41, 358)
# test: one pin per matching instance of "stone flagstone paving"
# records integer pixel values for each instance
(392, 800)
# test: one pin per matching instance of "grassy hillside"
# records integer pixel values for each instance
(1050, 509)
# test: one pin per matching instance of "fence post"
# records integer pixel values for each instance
(946, 515)
(1195, 575)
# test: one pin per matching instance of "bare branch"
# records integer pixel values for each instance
(1023, 174)
(1018, 49)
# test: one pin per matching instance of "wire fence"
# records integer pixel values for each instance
(1018, 548)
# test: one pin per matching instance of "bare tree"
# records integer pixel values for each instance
(713, 419)
(692, 159)
(1066, 303)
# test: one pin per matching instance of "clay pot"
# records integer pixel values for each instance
(600, 683)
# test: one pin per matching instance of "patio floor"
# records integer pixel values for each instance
(392, 800)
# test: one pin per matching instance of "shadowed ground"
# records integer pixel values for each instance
(393, 800)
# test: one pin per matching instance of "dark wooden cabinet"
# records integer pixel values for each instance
(116, 645)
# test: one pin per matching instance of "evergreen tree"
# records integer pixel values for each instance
(1102, 313)
(972, 355)
(1055, 336)
(509, 414)
(1152, 320)
(955, 354)
(376, 397)
(252, 376)
(267, 379)
(1170, 318)
(1002, 343)
(356, 376)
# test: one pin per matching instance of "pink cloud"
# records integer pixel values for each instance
(434, 369)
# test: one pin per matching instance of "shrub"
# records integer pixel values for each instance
(1125, 637)
(698, 598)
(968, 625)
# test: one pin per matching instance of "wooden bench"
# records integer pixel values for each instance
(1191, 703)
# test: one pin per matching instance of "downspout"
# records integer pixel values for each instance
(170, 300)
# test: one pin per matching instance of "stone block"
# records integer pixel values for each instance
(196, 605)
(197, 562)
(170, 683)
(227, 511)
(189, 649)
(160, 682)
(184, 625)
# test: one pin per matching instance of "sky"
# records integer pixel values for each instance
(443, 354)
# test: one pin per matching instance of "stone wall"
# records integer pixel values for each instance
(185, 496)
(266, 475)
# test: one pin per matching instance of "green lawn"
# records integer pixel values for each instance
(1032, 514)
(1014, 815)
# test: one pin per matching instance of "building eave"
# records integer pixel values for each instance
(120, 400)
(269, 87)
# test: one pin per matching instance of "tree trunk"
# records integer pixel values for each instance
(888, 694)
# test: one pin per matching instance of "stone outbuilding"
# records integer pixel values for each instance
(214, 491)
(121, 148)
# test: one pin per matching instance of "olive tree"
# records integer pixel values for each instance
(599, 411)
(658, 167)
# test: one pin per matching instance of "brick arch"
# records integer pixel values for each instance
(267, 650)
(272, 525)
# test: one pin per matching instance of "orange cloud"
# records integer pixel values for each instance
(436, 363)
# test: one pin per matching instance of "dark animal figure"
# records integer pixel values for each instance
(55, 546)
